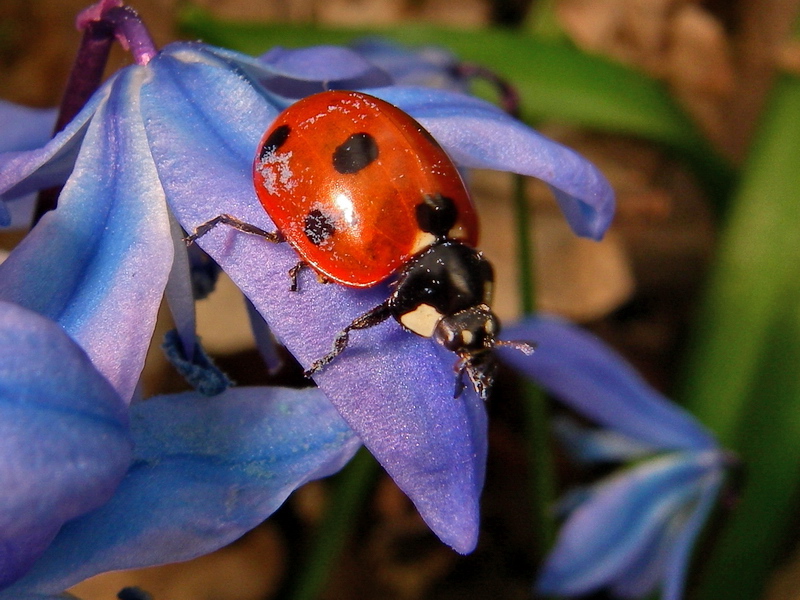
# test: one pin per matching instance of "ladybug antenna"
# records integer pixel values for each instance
(524, 347)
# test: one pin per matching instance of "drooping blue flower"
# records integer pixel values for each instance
(84, 493)
(634, 530)
(177, 136)
(204, 472)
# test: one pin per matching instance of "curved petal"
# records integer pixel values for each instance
(205, 471)
(477, 134)
(598, 445)
(677, 562)
(179, 292)
(645, 572)
(25, 128)
(595, 381)
(605, 534)
(427, 66)
(22, 172)
(394, 389)
(98, 265)
(64, 442)
(305, 71)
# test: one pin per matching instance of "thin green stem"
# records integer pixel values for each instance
(526, 268)
(352, 487)
(537, 421)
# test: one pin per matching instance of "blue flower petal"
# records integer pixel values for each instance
(393, 388)
(98, 264)
(179, 292)
(593, 380)
(598, 445)
(214, 468)
(427, 66)
(265, 342)
(623, 515)
(23, 172)
(677, 563)
(25, 128)
(644, 572)
(64, 442)
(305, 71)
(477, 134)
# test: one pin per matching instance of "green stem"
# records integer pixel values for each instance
(352, 487)
(526, 268)
(537, 421)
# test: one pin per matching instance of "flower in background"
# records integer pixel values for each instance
(634, 530)
(174, 136)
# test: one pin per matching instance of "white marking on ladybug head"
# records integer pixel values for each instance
(422, 320)
(457, 232)
(424, 240)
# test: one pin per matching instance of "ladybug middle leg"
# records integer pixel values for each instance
(295, 271)
(369, 319)
(275, 237)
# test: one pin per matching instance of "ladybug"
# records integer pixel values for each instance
(363, 192)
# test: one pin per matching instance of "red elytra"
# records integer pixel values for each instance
(341, 174)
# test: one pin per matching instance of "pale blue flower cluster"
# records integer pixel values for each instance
(634, 530)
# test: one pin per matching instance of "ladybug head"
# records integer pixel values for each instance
(468, 331)
(472, 334)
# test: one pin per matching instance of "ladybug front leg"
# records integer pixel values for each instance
(377, 315)
(275, 237)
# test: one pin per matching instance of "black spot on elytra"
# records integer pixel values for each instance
(436, 214)
(318, 227)
(357, 151)
(275, 140)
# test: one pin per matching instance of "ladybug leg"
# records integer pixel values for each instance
(369, 319)
(294, 272)
(271, 236)
(459, 368)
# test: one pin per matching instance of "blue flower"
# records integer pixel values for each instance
(634, 530)
(176, 137)
(91, 487)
